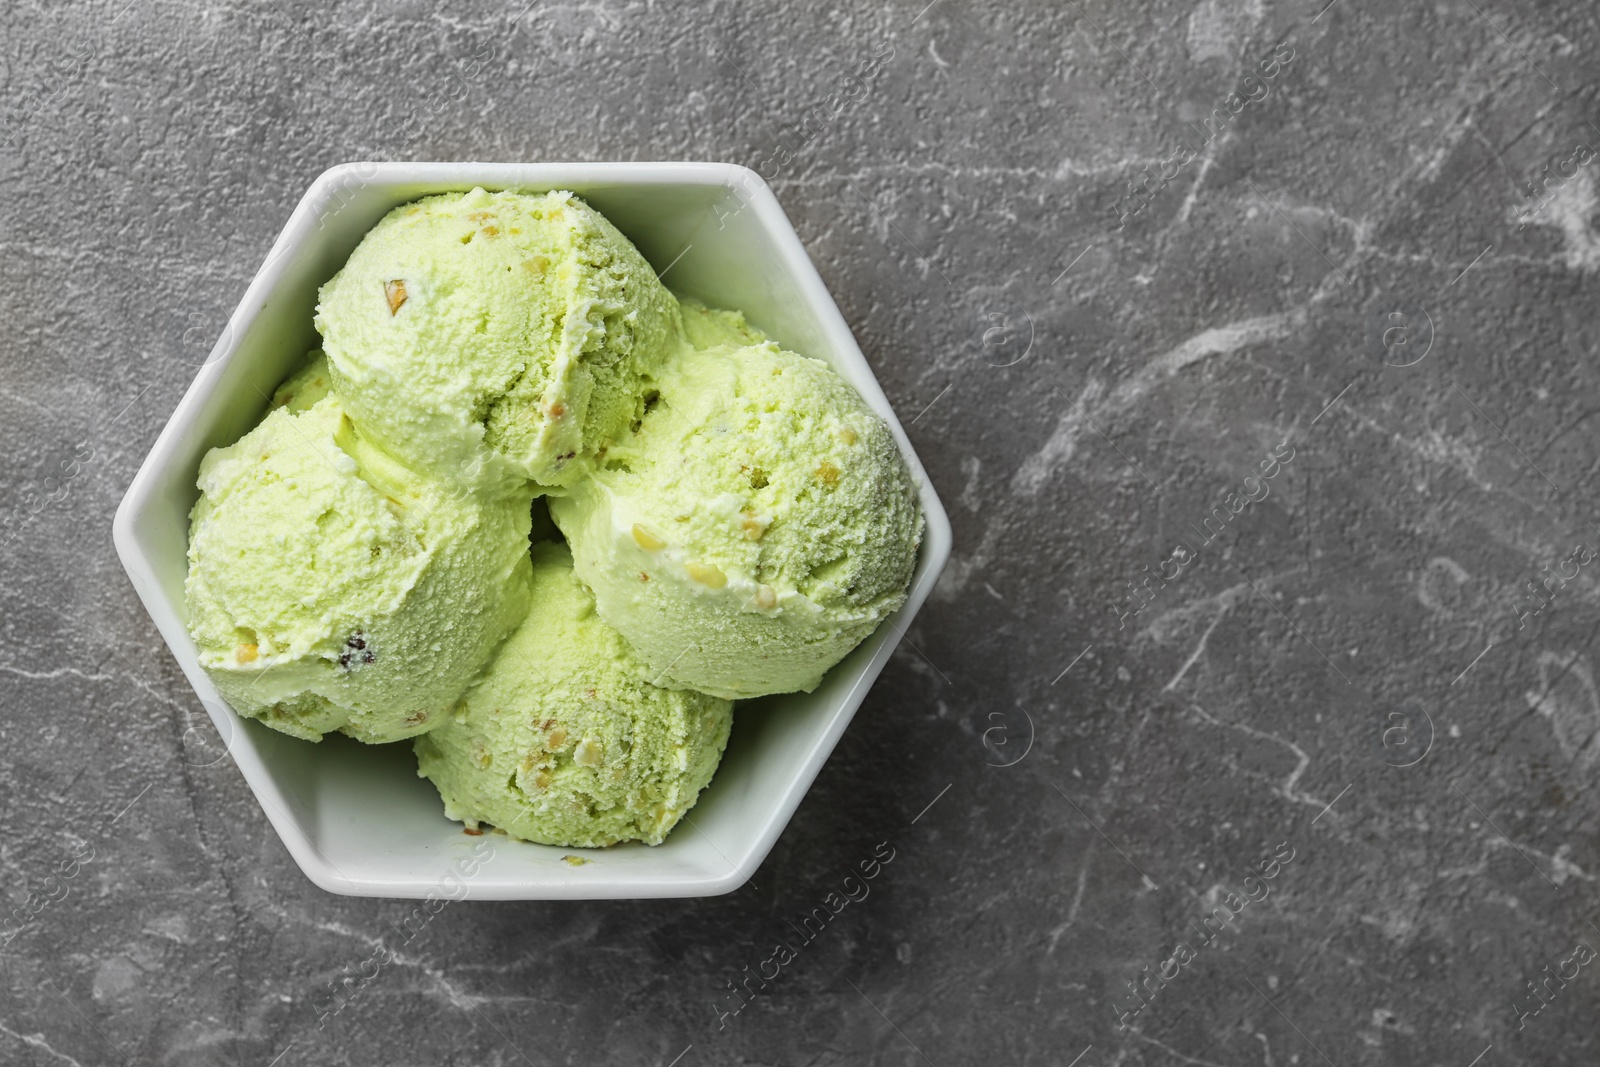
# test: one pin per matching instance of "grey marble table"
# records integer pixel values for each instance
(1115, 264)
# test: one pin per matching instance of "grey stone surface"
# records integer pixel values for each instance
(1341, 671)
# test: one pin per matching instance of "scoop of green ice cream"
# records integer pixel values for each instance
(330, 588)
(493, 337)
(563, 742)
(756, 525)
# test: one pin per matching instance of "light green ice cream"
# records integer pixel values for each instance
(563, 742)
(706, 327)
(757, 524)
(495, 337)
(330, 588)
(302, 389)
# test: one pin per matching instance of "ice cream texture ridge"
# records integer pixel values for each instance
(372, 558)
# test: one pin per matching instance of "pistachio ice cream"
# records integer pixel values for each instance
(738, 519)
(757, 523)
(494, 337)
(564, 741)
(331, 588)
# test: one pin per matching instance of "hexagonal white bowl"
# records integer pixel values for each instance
(356, 817)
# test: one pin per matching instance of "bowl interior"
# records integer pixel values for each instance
(356, 817)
